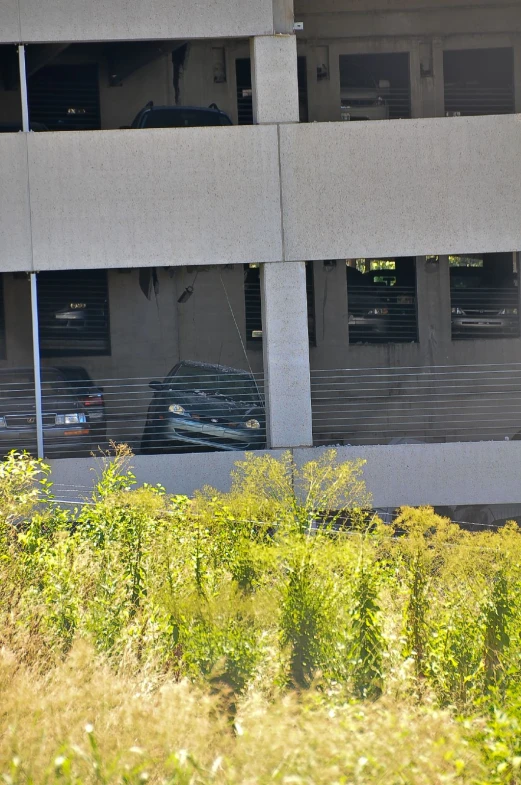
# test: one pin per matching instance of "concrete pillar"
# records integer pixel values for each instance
(434, 308)
(283, 284)
(274, 79)
(286, 354)
(439, 77)
(517, 73)
(332, 319)
(283, 16)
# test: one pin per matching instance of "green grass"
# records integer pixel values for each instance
(145, 637)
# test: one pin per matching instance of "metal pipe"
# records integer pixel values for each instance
(23, 88)
(36, 363)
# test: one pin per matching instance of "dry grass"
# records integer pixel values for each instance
(145, 729)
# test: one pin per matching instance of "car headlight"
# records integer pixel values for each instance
(3, 423)
(253, 424)
(457, 312)
(508, 312)
(176, 408)
(378, 312)
(70, 419)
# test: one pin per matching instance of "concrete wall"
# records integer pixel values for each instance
(154, 198)
(90, 20)
(405, 188)
(441, 475)
(15, 225)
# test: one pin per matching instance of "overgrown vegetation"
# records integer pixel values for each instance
(277, 633)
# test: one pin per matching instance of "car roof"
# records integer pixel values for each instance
(211, 367)
(212, 109)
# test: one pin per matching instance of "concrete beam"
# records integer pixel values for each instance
(15, 221)
(401, 188)
(286, 354)
(131, 20)
(275, 79)
(156, 198)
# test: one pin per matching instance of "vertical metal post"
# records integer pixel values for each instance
(36, 363)
(23, 88)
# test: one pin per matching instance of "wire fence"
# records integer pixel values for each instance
(424, 404)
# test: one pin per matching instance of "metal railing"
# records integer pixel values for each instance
(424, 404)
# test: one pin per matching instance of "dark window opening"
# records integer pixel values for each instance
(381, 296)
(73, 313)
(252, 294)
(65, 97)
(375, 87)
(3, 352)
(245, 91)
(479, 82)
(484, 296)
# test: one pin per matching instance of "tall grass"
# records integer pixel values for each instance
(277, 633)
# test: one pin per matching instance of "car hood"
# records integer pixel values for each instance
(213, 406)
(27, 405)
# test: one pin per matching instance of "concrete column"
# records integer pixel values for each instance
(438, 77)
(415, 75)
(286, 354)
(517, 73)
(332, 319)
(274, 79)
(434, 314)
(283, 16)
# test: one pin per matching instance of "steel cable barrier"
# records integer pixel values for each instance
(425, 404)
(196, 407)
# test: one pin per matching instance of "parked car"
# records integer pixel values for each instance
(77, 317)
(65, 425)
(482, 307)
(92, 399)
(363, 98)
(367, 306)
(205, 406)
(179, 116)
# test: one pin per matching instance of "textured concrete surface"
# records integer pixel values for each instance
(155, 198)
(274, 78)
(437, 474)
(181, 474)
(111, 20)
(15, 225)
(286, 354)
(405, 188)
(9, 21)
(484, 473)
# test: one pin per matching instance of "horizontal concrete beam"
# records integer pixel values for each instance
(159, 197)
(174, 197)
(483, 473)
(33, 21)
(403, 187)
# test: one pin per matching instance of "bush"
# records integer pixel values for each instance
(225, 601)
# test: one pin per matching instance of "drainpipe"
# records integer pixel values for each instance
(34, 282)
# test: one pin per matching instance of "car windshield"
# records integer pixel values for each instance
(181, 118)
(234, 385)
